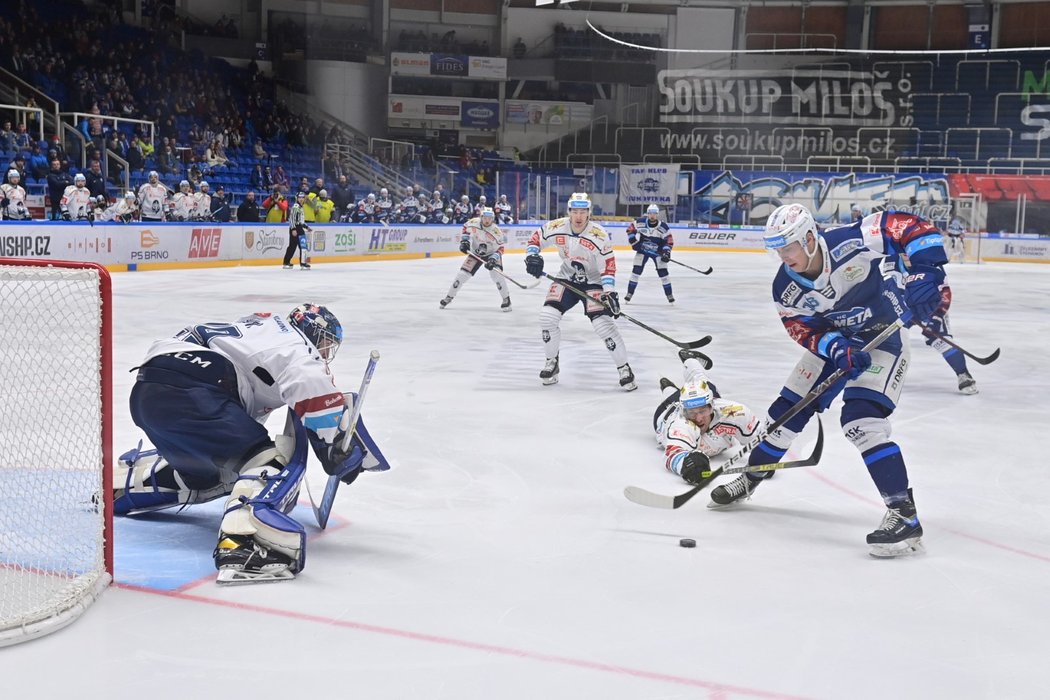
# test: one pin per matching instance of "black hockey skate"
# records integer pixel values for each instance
(627, 296)
(506, 304)
(739, 489)
(670, 299)
(304, 266)
(445, 302)
(626, 377)
(549, 373)
(900, 533)
(241, 559)
(967, 384)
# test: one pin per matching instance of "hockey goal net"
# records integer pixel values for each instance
(56, 509)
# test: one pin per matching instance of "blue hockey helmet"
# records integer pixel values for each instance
(320, 326)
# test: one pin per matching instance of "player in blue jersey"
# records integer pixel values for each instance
(832, 299)
(651, 240)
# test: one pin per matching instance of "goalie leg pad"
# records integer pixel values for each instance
(257, 507)
(150, 484)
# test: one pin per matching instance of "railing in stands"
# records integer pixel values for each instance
(71, 134)
(16, 90)
(22, 110)
(126, 172)
(74, 118)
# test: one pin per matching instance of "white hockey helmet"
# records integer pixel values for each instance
(579, 200)
(153, 174)
(371, 196)
(13, 173)
(482, 199)
(184, 184)
(101, 199)
(129, 195)
(696, 394)
(789, 224)
(464, 199)
(79, 177)
(383, 191)
(487, 211)
(204, 185)
(652, 209)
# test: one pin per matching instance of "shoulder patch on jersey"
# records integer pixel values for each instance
(598, 232)
(733, 409)
(853, 272)
(845, 248)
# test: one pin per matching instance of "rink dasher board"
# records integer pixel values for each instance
(143, 246)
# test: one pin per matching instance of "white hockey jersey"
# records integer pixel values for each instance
(184, 206)
(76, 201)
(202, 206)
(154, 201)
(276, 366)
(484, 240)
(16, 206)
(586, 258)
(123, 208)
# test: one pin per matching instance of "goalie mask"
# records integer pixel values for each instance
(320, 326)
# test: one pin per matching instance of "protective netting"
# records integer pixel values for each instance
(52, 522)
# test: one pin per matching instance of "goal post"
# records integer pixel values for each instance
(56, 480)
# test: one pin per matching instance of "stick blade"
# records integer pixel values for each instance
(696, 343)
(644, 497)
(987, 360)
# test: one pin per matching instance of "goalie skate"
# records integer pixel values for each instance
(242, 560)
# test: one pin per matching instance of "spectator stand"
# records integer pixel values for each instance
(16, 91)
(22, 111)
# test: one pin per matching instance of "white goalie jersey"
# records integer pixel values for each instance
(276, 366)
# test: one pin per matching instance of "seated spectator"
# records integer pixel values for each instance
(136, 158)
(258, 179)
(214, 156)
(168, 162)
(7, 138)
(259, 152)
(248, 211)
(22, 138)
(280, 178)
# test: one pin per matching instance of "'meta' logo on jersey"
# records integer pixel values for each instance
(204, 242)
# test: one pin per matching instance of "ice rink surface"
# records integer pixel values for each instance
(499, 559)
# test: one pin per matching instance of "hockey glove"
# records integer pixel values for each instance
(636, 246)
(848, 355)
(665, 256)
(4, 203)
(464, 246)
(534, 265)
(66, 216)
(694, 466)
(612, 301)
(922, 291)
(492, 262)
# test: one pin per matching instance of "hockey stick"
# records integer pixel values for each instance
(810, 461)
(505, 276)
(323, 511)
(927, 331)
(655, 500)
(587, 297)
(708, 271)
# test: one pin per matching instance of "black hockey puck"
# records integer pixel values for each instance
(686, 542)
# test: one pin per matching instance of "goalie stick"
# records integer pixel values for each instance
(708, 271)
(324, 510)
(927, 331)
(507, 277)
(655, 500)
(587, 297)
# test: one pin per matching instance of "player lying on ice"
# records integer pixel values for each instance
(201, 397)
(695, 423)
